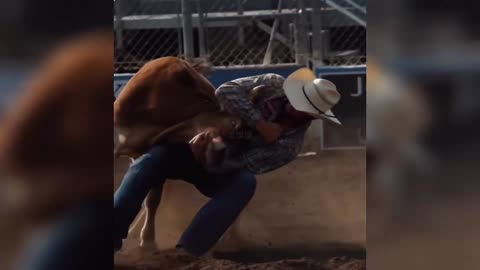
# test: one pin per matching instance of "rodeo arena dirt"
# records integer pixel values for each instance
(165, 260)
(335, 241)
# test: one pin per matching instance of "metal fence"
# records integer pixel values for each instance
(240, 32)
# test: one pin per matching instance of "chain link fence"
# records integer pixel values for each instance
(346, 33)
(240, 32)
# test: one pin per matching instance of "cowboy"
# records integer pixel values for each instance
(272, 137)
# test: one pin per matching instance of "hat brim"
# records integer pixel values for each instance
(329, 116)
(293, 90)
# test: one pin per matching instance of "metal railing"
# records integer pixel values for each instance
(240, 32)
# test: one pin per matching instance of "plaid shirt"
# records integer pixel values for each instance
(249, 149)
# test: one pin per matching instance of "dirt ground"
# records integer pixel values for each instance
(312, 202)
(170, 260)
(310, 214)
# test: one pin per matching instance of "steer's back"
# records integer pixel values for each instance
(165, 91)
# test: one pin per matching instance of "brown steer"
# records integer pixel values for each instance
(49, 134)
(168, 100)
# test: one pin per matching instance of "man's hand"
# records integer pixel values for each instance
(199, 143)
(269, 131)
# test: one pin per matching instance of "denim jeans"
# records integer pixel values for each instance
(78, 239)
(228, 193)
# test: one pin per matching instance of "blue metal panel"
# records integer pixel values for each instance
(219, 76)
(345, 77)
(351, 83)
(119, 81)
(340, 70)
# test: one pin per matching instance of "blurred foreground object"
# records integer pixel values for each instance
(430, 50)
(398, 115)
(59, 133)
(55, 150)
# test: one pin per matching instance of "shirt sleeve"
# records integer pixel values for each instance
(270, 157)
(262, 158)
(234, 96)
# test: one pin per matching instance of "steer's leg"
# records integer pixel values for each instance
(152, 202)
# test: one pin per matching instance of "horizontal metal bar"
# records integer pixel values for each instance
(168, 21)
(128, 76)
(267, 29)
(345, 148)
(223, 19)
(357, 6)
(347, 13)
(123, 76)
(351, 69)
(258, 66)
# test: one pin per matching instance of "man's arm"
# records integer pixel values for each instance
(260, 160)
(234, 97)
(271, 156)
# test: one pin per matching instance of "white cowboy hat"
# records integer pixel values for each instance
(310, 94)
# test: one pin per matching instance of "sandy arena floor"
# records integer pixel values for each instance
(136, 259)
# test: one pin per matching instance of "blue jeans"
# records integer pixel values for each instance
(229, 194)
(78, 239)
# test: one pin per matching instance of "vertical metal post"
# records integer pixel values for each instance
(201, 33)
(178, 10)
(267, 59)
(187, 30)
(241, 32)
(301, 38)
(318, 47)
(119, 24)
